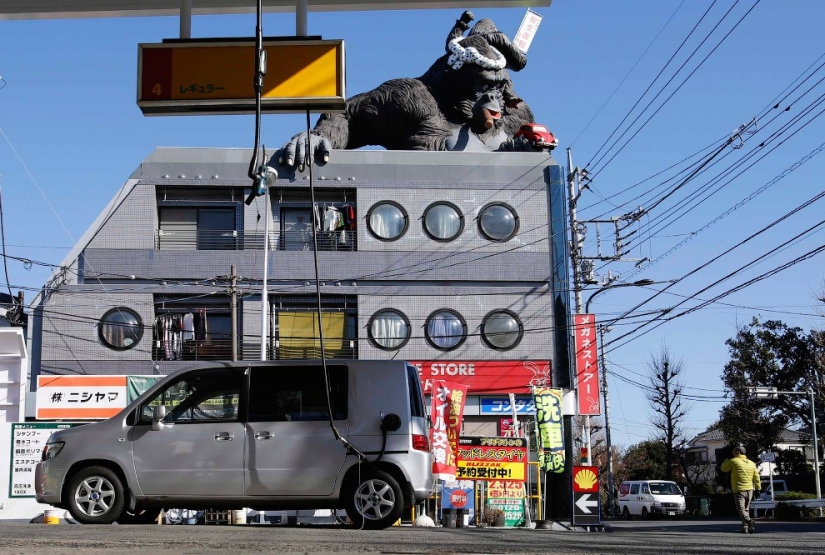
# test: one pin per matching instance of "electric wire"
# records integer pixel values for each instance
(595, 172)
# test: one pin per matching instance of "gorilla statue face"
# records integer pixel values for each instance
(475, 70)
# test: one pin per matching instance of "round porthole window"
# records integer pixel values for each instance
(498, 222)
(120, 329)
(387, 221)
(501, 330)
(443, 221)
(389, 329)
(446, 329)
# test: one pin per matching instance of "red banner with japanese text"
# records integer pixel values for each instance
(447, 411)
(587, 365)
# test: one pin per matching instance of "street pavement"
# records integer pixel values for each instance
(622, 537)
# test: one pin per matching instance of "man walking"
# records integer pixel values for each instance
(744, 480)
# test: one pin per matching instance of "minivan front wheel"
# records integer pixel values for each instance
(96, 496)
(375, 502)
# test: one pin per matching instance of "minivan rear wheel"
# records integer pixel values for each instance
(625, 513)
(96, 496)
(375, 502)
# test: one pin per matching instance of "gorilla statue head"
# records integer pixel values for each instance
(473, 74)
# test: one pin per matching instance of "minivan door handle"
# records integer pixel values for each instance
(224, 436)
(263, 435)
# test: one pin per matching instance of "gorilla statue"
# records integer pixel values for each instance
(465, 101)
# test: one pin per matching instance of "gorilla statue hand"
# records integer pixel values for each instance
(296, 153)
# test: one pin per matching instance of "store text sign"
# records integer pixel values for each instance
(587, 365)
(486, 376)
(492, 458)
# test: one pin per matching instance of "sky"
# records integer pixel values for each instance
(638, 90)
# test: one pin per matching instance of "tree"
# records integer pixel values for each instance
(770, 354)
(666, 400)
(791, 462)
(645, 461)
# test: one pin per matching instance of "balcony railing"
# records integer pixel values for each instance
(240, 240)
(195, 350)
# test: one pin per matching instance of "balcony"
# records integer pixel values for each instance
(196, 350)
(240, 240)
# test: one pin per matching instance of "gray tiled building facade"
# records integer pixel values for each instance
(164, 246)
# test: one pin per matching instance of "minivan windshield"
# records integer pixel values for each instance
(664, 488)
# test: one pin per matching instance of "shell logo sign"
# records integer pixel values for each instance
(585, 479)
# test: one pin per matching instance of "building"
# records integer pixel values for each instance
(708, 448)
(456, 261)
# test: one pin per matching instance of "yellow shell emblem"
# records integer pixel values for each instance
(586, 479)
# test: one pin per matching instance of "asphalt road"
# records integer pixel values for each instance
(637, 538)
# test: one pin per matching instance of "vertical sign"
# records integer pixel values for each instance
(27, 441)
(551, 429)
(527, 30)
(587, 365)
(447, 411)
(586, 499)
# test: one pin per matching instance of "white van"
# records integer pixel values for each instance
(273, 435)
(647, 498)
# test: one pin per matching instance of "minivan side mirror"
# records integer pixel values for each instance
(158, 416)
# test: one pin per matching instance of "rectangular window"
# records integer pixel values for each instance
(634, 489)
(294, 326)
(333, 215)
(197, 219)
(284, 393)
(187, 328)
(696, 457)
(208, 396)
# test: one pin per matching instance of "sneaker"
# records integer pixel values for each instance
(751, 527)
(744, 530)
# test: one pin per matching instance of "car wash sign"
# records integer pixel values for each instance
(492, 458)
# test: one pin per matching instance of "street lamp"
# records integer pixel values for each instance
(602, 330)
(773, 393)
(639, 283)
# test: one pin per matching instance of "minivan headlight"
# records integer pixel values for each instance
(50, 450)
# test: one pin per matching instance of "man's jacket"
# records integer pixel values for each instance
(743, 474)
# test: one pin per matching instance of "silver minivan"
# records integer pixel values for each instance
(271, 435)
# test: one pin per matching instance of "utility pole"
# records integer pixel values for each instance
(575, 253)
(233, 308)
(233, 277)
(610, 508)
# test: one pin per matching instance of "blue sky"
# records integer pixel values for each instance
(72, 134)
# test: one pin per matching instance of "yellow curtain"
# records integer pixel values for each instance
(299, 337)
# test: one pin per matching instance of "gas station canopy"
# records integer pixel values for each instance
(64, 9)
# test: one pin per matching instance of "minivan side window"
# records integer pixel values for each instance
(199, 397)
(624, 489)
(296, 393)
(645, 488)
(634, 489)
